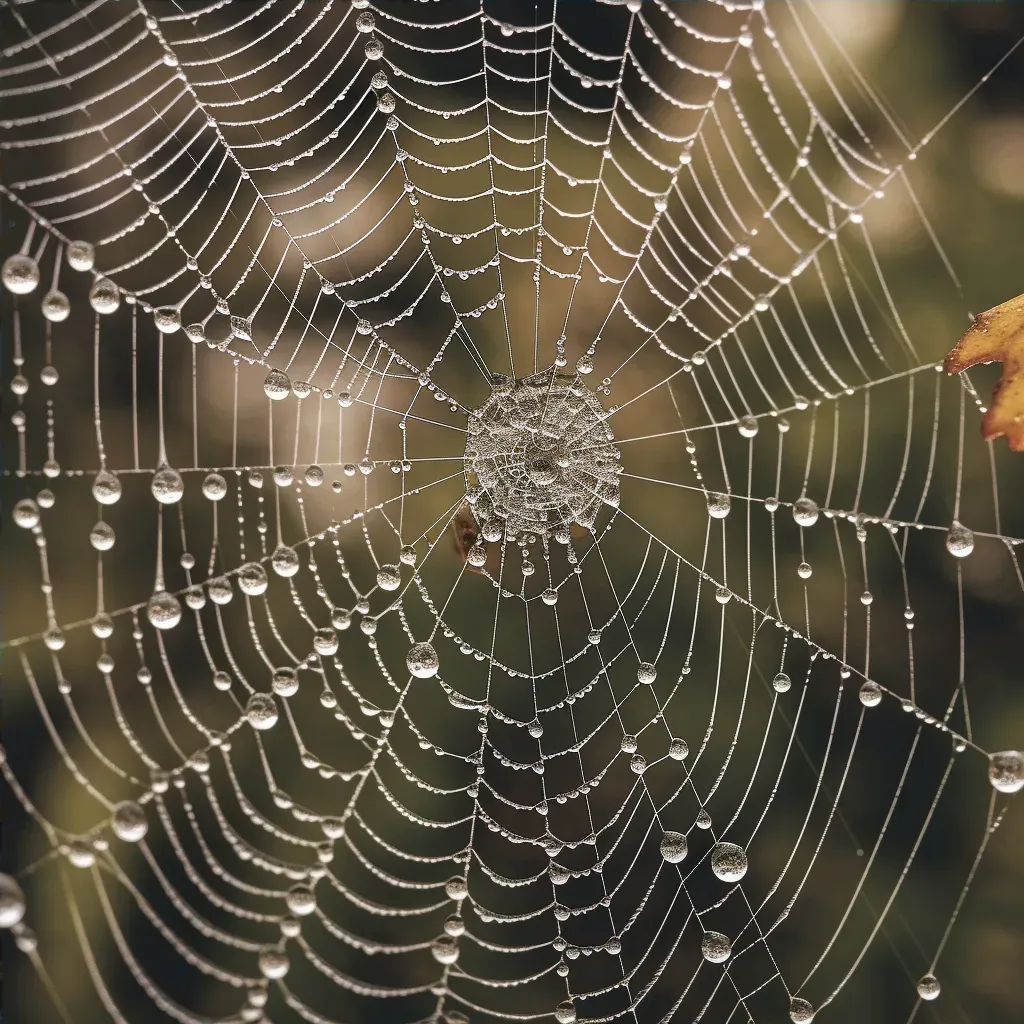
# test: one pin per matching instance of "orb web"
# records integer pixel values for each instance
(476, 493)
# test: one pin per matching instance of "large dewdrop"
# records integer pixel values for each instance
(20, 274)
(129, 822)
(104, 296)
(422, 661)
(261, 711)
(12, 902)
(1006, 771)
(673, 847)
(729, 862)
(163, 610)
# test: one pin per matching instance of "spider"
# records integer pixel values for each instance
(465, 536)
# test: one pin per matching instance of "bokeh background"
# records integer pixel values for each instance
(920, 59)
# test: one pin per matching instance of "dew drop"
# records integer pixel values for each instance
(673, 847)
(277, 385)
(273, 964)
(800, 1011)
(422, 661)
(163, 610)
(215, 487)
(129, 822)
(106, 488)
(102, 537)
(167, 486)
(26, 514)
(12, 902)
(285, 561)
(104, 296)
(261, 711)
(565, 1012)
(54, 639)
(959, 541)
(20, 274)
(729, 862)
(167, 319)
(252, 579)
(715, 947)
(285, 681)
(870, 694)
(805, 512)
(719, 505)
(81, 855)
(56, 306)
(389, 577)
(300, 900)
(456, 888)
(678, 749)
(80, 256)
(102, 626)
(1006, 771)
(219, 589)
(445, 949)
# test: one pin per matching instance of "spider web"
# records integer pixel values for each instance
(348, 266)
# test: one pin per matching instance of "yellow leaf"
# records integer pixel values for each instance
(997, 336)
